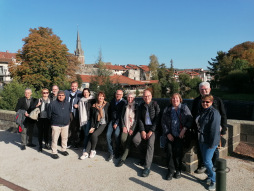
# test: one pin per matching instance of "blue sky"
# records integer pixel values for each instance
(128, 31)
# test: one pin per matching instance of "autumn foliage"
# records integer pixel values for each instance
(44, 60)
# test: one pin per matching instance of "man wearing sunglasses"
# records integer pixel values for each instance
(205, 89)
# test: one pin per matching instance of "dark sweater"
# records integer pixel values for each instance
(59, 113)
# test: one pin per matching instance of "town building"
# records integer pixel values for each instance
(5, 59)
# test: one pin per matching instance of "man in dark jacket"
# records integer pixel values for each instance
(59, 115)
(115, 111)
(28, 104)
(73, 96)
(148, 120)
(204, 89)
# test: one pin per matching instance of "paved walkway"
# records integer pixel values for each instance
(34, 171)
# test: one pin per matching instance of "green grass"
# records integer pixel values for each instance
(233, 96)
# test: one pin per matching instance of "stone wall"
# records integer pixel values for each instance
(238, 130)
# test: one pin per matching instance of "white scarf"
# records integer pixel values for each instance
(129, 115)
(82, 110)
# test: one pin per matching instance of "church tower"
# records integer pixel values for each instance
(79, 52)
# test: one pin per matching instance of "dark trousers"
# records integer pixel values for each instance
(27, 133)
(149, 150)
(43, 130)
(73, 130)
(91, 145)
(175, 154)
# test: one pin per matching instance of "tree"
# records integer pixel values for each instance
(154, 65)
(184, 81)
(44, 59)
(11, 93)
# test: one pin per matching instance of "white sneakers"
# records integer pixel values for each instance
(92, 154)
(85, 155)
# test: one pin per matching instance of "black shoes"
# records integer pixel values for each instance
(55, 156)
(141, 162)
(110, 157)
(120, 163)
(31, 145)
(23, 147)
(177, 175)
(47, 147)
(200, 170)
(169, 176)
(65, 153)
(40, 149)
(146, 172)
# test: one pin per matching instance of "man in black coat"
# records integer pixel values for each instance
(148, 119)
(28, 104)
(204, 89)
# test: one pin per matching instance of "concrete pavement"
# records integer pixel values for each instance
(34, 171)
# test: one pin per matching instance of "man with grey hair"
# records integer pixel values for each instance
(205, 89)
(27, 104)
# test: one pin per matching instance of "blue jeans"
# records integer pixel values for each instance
(207, 154)
(86, 129)
(117, 138)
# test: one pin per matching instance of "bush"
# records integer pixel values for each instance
(11, 93)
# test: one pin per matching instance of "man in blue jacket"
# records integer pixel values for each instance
(59, 115)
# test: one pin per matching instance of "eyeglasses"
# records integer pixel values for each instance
(45, 92)
(61, 95)
(205, 101)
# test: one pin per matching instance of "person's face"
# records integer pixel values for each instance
(147, 97)
(206, 103)
(204, 90)
(119, 95)
(61, 97)
(55, 90)
(45, 93)
(175, 100)
(74, 87)
(28, 94)
(130, 98)
(86, 94)
(100, 98)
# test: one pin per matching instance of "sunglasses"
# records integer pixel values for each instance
(205, 101)
(45, 92)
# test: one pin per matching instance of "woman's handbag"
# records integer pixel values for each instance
(34, 114)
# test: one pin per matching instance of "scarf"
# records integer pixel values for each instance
(129, 115)
(99, 109)
(82, 110)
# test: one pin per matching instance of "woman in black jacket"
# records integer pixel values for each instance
(43, 123)
(99, 120)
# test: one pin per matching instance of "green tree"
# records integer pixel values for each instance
(11, 93)
(44, 59)
(194, 83)
(154, 65)
(184, 81)
(156, 90)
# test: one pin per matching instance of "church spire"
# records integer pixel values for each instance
(79, 52)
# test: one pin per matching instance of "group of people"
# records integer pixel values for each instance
(81, 118)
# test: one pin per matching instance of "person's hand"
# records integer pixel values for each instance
(115, 126)
(91, 130)
(75, 106)
(182, 133)
(130, 132)
(125, 130)
(149, 134)
(39, 103)
(170, 137)
(143, 134)
(26, 114)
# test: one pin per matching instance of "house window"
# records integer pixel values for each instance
(1, 70)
